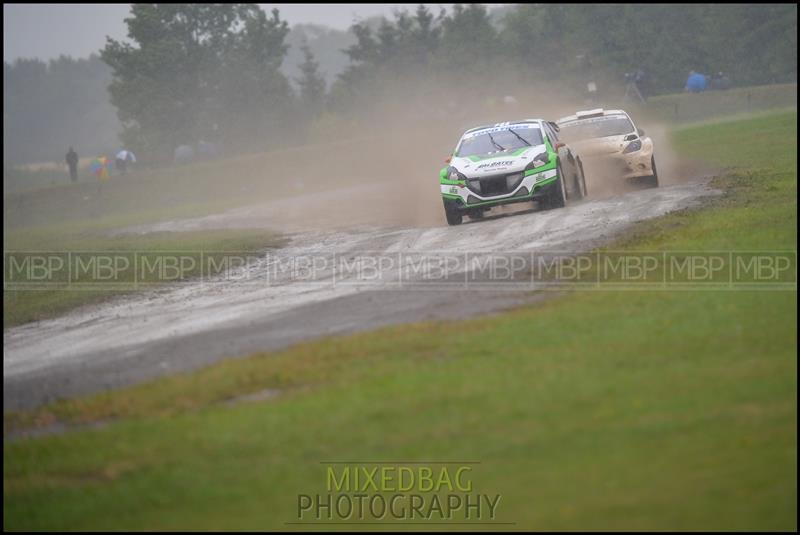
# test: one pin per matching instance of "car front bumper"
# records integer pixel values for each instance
(626, 166)
(531, 187)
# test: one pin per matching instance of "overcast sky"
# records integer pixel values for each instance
(46, 31)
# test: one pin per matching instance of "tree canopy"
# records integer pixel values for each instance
(198, 72)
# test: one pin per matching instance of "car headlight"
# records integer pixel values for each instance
(538, 161)
(453, 174)
(633, 146)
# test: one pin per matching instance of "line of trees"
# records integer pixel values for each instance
(212, 72)
(751, 43)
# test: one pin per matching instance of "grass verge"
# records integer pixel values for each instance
(601, 410)
(22, 306)
(681, 108)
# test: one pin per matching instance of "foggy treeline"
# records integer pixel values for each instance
(47, 106)
(212, 73)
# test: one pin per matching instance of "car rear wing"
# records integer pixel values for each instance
(585, 114)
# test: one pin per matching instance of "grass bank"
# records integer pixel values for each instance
(682, 108)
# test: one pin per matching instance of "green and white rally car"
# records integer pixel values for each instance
(506, 163)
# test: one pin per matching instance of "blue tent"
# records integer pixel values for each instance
(696, 82)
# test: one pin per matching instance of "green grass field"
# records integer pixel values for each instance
(595, 410)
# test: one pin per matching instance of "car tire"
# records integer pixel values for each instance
(576, 192)
(653, 179)
(557, 194)
(452, 213)
(584, 191)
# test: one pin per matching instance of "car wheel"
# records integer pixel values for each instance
(576, 191)
(452, 213)
(654, 176)
(557, 194)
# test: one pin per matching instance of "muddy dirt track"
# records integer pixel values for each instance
(260, 308)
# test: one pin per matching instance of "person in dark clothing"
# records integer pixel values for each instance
(72, 162)
(720, 81)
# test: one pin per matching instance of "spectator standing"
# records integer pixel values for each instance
(72, 163)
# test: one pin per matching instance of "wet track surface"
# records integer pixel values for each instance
(179, 328)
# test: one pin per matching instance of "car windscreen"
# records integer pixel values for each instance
(599, 127)
(510, 137)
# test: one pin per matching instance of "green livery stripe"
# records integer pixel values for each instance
(448, 182)
(544, 183)
(552, 153)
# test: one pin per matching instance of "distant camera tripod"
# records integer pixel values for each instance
(632, 92)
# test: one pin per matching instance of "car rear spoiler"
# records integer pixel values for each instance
(585, 114)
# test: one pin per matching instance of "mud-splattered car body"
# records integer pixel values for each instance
(610, 140)
(508, 163)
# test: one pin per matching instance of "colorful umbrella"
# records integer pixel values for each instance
(100, 167)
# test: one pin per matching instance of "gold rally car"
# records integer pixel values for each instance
(608, 139)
